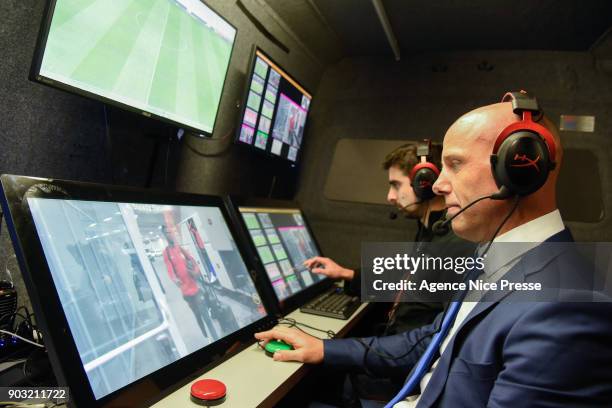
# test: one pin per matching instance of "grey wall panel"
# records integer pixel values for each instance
(356, 173)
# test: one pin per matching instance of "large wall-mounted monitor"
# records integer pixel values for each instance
(166, 59)
(134, 290)
(274, 111)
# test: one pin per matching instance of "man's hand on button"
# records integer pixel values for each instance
(307, 349)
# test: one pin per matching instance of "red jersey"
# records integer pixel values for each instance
(175, 259)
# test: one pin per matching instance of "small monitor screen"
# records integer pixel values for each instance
(275, 110)
(283, 242)
(166, 58)
(143, 285)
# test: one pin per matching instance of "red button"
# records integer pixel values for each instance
(208, 390)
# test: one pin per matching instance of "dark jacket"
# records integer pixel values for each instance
(519, 354)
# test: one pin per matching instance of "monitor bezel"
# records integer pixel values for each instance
(292, 302)
(36, 64)
(48, 309)
(245, 94)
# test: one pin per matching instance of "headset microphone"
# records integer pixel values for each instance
(441, 226)
(393, 214)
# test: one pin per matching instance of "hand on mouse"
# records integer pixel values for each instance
(307, 349)
(329, 268)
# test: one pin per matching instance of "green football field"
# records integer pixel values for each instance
(151, 54)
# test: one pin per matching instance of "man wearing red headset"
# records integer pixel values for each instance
(501, 164)
(412, 170)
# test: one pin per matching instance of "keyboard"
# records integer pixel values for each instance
(332, 304)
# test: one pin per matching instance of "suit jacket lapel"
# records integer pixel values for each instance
(529, 263)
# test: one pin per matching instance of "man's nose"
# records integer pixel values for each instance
(391, 196)
(442, 185)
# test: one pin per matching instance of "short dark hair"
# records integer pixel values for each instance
(405, 157)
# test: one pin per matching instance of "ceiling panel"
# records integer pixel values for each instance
(356, 23)
(424, 25)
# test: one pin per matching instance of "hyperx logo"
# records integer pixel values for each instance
(424, 183)
(525, 161)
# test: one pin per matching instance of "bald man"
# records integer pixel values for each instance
(495, 354)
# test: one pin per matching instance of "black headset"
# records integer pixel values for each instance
(524, 151)
(425, 173)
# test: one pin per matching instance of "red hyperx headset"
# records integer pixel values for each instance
(524, 152)
(425, 173)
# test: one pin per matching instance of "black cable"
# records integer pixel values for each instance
(514, 207)
(289, 322)
(14, 327)
(28, 316)
(475, 201)
(12, 316)
(441, 224)
(368, 347)
(292, 323)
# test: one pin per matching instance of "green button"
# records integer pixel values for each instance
(276, 345)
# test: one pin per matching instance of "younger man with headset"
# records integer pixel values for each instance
(493, 353)
(412, 170)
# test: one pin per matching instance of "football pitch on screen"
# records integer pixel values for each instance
(151, 54)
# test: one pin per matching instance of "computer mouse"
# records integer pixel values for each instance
(276, 345)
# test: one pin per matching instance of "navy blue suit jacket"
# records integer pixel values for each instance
(508, 354)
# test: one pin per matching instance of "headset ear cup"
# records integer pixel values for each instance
(422, 183)
(522, 163)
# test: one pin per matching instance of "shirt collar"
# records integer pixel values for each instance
(536, 230)
(525, 236)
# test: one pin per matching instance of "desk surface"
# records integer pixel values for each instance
(252, 378)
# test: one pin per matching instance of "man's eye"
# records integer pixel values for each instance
(455, 164)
